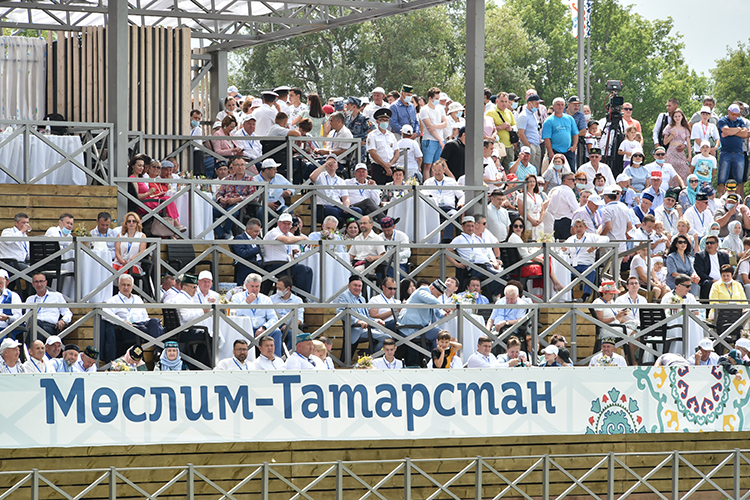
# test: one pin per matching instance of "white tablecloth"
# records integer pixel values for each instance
(471, 334)
(694, 335)
(564, 276)
(228, 334)
(429, 219)
(336, 275)
(200, 219)
(42, 157)
(93, 274)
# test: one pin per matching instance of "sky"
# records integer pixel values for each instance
(705, 26)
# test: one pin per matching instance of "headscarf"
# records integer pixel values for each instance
(690, 191)
(713, 230)
(733, 242)
(167, 365)
(130, 361)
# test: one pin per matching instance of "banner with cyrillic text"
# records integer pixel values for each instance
(200, 407)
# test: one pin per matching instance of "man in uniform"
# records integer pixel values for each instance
(356, 122)
(382, 147)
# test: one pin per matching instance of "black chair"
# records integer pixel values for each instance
(725, 318)
(52, 270)
(144, 280)
(510, 256)
(658, 336)
(194, 341)
(410, 356)
(180, 255)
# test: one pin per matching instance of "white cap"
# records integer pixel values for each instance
(285, 218)
(407, 129)
(205, 275)
(734, 108)
(623, 177)
(525, 149)
(596, 200)
(360, 166)
(706, 109)
(8, 343)
(744, 343)
(269, 163)
(444, 97)
(378, 90)
(53, 339)
(551, 349)
(3, 273)
(270, 92)
(705, 143)
(232, 88)
(706, 345)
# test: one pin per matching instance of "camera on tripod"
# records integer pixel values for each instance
(614, 105)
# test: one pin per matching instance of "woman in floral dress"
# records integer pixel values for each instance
(677, 137)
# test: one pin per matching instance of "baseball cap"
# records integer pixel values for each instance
(743, 342)
(285, 218)
(328, 109)
(513, 97)
(205, 275)
(596, 200)
(533, 97)
(3, 273)
(706, 345)
(706, 109)
(623, 177)
(407, 129)
(232, 88)
(468, 218)
(53, 339)
(269, 163)
(525, 149)
(656, 174)
(734, 108)
(574, 100)
(360, 166)
(387, 222)
(551, 349)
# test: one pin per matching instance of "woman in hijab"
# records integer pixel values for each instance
(170, 360)
(687, 196)
(713, 230)
(733, 241)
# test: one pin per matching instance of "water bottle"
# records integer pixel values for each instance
(47, 129)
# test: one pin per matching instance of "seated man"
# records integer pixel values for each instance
(50, 319)
(230, 195)
(276, 196)
(474, 286)
(359, 327)
(262, 319)
(704, 354)
(412, 320)
(205, 295)
(390, 233)
(301, 358)
(170, 287)
(16, 253)
(251, 252)
(86, 360)
(275, 256)
(133, 358)
(505, 318)
(239, 361)
(103, 230)
(37, 362)
(328, 230)
(10, 354)
(581, 258)
(116, 339)
(482, 257)
(69, 358)
(326, 175)
(188, 296)
(52, 348)
(284, 296)
(386, 299)
(445, 355)
(513, 355)
(444, 198)
(267, 359)
(367, 200)
(483, 358)
(362, 255)
(250, 149)
(708, 265)
(7, 315)
(388, 360)
(607, 356)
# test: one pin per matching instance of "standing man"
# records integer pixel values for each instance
(505, 123)
(560, 133)
(498, 219)
(528, 128)
(378, 102)
(454, 155)
(265, 115)
(615, 219)
(574, 110)
(582, 257)
(382, 147)
(562, 205)
(590, 213)
(733, 130)
(357, 123)
(297, 107)
(434, 120)
(663, 120)
(404, 112)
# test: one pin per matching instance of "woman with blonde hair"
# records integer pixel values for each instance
(125, 251)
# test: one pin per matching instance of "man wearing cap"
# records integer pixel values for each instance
(301, 358)
(615, 218)
(574, 110)
(282, 92)
(382, 146)
(50, 319)
(52, 347)
(265, 115)
(261, 319)
(642, 209)
(704, 355)
(562, 206)
(560, 133)
(326, 175)
(708, 265)
(367, 200)
(733, 130)
(528, 128)
(607, 356)
(10, 354)
(412, 154)
(86, 362)
(189, 295)
(523, 167)
(7, 315)
(276, 196)
(505, 123)
(670, 212)
(699, 215)
(378, 102)
(581, 257)
(356, 122)
(390, 233)
(435, 121)
(69, 358)
(404, 112)
(669, 176)
(628, 193)
(590, 213)
(239, 359)
(251, 149)
(594, 166)
(37, 362)
(482, 257)
(205, 295)
(114, 338)
(656, 190)
(732, 210)
(275, 256)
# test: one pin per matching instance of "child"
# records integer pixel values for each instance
(592, 136)
(550, 356)
(445, 355)
(629, 195)
(704, 165)
(414, 153)
(629, 145)
(659, 271)
(663, 239)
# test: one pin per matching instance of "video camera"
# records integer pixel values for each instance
(614, 105)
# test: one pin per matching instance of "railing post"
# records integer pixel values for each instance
(611, 476)
(545, 477)
(573, 336)
(347, 338)
(314, 213)
(35, 484)
(112, 483)
(264, 482)
(191, 482)
(407, 478)
(157, 267)
(339, 480)
(323, 256)
(546, 271)
(685, 326)
(478, 479)
(415, 211)
(460, 323)
(77, 278)
(736, 475)
(675, 475)
(534, 336)
(215, 339)
(191, 209)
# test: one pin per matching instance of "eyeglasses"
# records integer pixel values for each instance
(627, 109)
(682, 242)
(683, 284)
(131, 221)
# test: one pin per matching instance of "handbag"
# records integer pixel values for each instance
(531, 271)
(513, 134)
(160, 230)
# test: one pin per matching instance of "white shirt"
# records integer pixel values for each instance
(382, 364)
(234, 364)
(713, 358)
(36, 366)
(78, 366)
(414, 152)
(580, 256)
(168, 295)
(498, 221)
(51, 314)
(591, 172)
(13, 314)
(110, 244)
(297, 361)
(617, 213)
(357, 195)
(666, 169)
(186, 315)
(625, 298)
(667, 218)
(265, 118)
(383, 143)
(400, 236)
(699, 222)
(617, 360)
(593, 219)
(260, 317)
(276, 253)
(335, 194)
(715, 267)
(381, 299)
(562, 202)
(15, 250)
(442, 197)
(436, 115)
(251, 149)
(361, 251)
(478, 360)
(263, 363)
(203, 299)
(125, 313)
(487, 238)
(342, 133)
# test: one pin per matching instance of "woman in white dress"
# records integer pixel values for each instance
(534, 206)
(126, 251)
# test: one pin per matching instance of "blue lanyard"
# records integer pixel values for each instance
(132, 301)
(442, 183)
(306, 359)
(46, 295)
(241, 367)
(37, 368)
(578, 250)
(701, 216)
(729, 290)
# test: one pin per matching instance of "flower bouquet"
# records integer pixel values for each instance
(81, 231)
(363, 363)
(605, 361)
(465, 298)
(120, 366)
(546, 238)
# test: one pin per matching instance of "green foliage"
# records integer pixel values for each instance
(732, 76)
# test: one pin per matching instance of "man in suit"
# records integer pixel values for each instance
(708, 265)
(250, 252)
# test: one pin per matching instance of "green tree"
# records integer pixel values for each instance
(732, 76)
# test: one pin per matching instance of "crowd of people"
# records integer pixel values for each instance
(545, 178)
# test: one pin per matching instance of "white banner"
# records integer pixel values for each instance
(42, 410)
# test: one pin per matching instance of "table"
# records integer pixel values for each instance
(336, 277)
(201, 217)
(564, 276)
(228, 334)
(471, 334)
(41, 158)
(429, 219)
(93, 274)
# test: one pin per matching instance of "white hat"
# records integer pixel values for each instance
(705, 143)
(233, 88)
(551, 349)
(540, 179)
(706, 345)
(270, 92)
(269, 163)
(285, 218)
(734, 108)
(217, 124)
(743, 342)
(525, 149)
(444, 97)
(706, 109)
(360, 166)
(8, 343)
(364, 100)
(623, 177)
(378, 90)
(468, 218)
(282, 88)
(3, 273)
(205, 275)
(53, 339)
(407, 129)
(596, 200)
(455, 106)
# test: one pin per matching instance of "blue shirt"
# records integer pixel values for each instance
(527, 121)
(423, 317)
(293, 299)
(579, 119)
(274, 195)
(508, 314)
(348, 298)
(260, 317)
(731, 144)
(560, 131)
(404, 114)
(58, 365)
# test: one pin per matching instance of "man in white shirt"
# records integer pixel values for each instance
(656, 190)
(498, 219)
(50, 319)
(667, 170)
(615, 219)
(484, 236)
(412, 156)
(16, 253)
(37, 362)
(388, 360)
(704, 355)
(297, 107)
(387, 299)
(699, 215)
(367, 200)
(562, 205)
(482, 257)
(326, 175)
(9, 357)
(362, 255)
(378, 102)
(285, 296)
(382, 146)
(170, 287)
(189, 296)
(267, 359)
(390, 233)
(338, 131)
(69, 358)
(590, 213)
(262, 319)
(669, 213)
(116, 340)
(301, 358)
(251, 149)
(86, 362)
(265, 115)
(607, 356)
(7, 315)
(593, 167)
(103, 230)
(237, 362)
(581, 258)
(276, 196)
(63, 230)
(483, 358)
(445, 198)
(275, 256)
(205, 295)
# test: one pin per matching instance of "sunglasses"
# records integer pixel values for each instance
(682, 242)
(390, 287)
(627, 109)
(131, 221)
(660, 154)
(711, 243)
(517, 226)
(694, 181)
